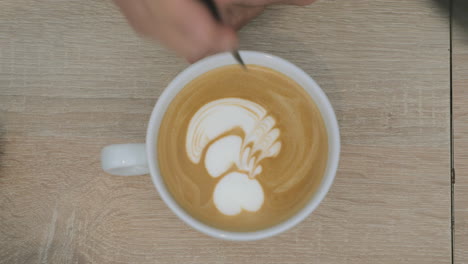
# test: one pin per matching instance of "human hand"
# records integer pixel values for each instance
(188, 28)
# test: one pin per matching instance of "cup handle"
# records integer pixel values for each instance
(125, 159)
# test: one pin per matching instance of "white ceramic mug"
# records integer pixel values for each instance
(138, 159)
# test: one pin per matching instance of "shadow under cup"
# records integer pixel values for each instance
(269, 61)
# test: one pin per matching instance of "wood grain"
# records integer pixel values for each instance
(460, 117)
(74, 78)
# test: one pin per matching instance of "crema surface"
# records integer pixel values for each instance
(242, 150)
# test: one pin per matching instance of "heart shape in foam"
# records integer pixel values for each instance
(236, 191)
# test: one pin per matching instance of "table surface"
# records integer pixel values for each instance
(74, 78)
(460, 123)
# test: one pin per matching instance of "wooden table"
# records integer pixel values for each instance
(460, 123)
(74, 78)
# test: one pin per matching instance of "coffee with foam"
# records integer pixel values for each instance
(242, 150)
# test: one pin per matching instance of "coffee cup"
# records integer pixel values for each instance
(139, 159)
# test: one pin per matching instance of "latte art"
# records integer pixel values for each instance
(210, 128)
(242, 150)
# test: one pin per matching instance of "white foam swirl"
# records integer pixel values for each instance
(237, 190)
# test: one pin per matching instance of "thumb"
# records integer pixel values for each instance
(202, 34)
(224, 41)
(227, 40)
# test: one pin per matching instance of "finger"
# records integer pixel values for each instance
(201, 49)
(188, 28)
(238, 16)
(138, 16)
(200, 24)
(300, 2)
(264, 2)
(155, 20)
(206, 35)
